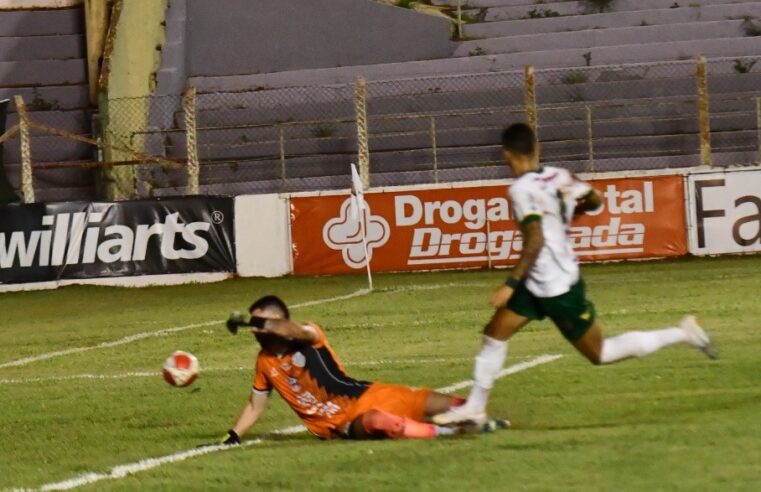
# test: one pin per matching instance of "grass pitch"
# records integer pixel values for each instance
(673, 421)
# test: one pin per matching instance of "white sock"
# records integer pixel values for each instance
(640, 343)
(489, 362)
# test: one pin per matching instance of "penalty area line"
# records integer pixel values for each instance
(122, 471)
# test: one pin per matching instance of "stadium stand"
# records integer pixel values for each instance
(634, 65)
(621, 80)
(42, 58)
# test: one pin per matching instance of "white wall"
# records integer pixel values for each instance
(262, 236)
(37, 4)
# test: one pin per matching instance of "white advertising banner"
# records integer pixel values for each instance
(725, 211)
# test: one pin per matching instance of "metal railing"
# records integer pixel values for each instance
(427, 129)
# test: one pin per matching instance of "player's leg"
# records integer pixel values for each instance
(437, 403)
(378, 424)
(574, 315)
(600, 350)
(489, 361)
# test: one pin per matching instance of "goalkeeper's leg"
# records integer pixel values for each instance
(377, 424)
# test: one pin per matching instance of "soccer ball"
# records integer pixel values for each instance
(181, 369)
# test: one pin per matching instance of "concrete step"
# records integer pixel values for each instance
(42, 22)
(215, 181)
(612, 20)
(57, 184)
(435, 96)
(49, 149)
(559, 9)
(42, 72)
(54, 97)
(27, 48)
(468, 4)
(574, 57)
(603, 37)
(76, 121)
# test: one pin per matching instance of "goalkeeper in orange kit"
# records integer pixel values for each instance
(296, 361)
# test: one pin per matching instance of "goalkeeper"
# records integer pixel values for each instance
(296, 361)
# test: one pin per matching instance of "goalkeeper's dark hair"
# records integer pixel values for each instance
(271, 302)
(519, 139)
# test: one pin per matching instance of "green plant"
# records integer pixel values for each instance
(744, 66)
(406, 4)
(541, 13)
(480, 16)
(750, 28)
(575, 78)
(600, 5)
(40, 104)
(323, 131)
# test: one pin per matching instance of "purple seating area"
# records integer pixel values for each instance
(42, 59)
(632, 67)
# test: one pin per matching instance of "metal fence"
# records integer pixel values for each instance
(426, 129)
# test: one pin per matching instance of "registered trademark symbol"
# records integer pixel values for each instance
(217, 217)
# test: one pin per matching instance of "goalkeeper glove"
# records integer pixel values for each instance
(235, 321)
(231, 439)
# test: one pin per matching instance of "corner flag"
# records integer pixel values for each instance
(357, 212)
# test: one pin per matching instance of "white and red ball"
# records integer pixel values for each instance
(181, 369)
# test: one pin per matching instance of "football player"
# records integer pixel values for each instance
(297, 362)
(546, 281)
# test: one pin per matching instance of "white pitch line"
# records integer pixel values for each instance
(542, 359)
(149, 374)
(112, 343)
(158, 333)
(122, 471)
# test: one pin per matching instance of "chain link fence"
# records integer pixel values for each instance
(417, 130)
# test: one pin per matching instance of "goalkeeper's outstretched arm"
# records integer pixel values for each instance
(251, 413)
(285, 329)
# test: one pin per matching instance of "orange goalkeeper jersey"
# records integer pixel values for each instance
(313, 383)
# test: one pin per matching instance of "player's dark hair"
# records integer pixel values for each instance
(270, 302)
(519, 139)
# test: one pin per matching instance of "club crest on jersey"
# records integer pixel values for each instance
(344, 233)
(298, 359)
(294, 383)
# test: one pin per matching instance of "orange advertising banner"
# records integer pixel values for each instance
(473, 227)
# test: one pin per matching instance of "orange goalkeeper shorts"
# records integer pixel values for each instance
(402, 401)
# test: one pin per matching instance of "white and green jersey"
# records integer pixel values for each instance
(549, 194)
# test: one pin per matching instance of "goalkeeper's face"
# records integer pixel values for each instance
(268, 342)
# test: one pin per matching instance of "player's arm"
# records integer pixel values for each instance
(591, 200)
(251, 413)
(533, 242)
(285, 329)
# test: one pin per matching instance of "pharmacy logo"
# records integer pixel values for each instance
(344, 234)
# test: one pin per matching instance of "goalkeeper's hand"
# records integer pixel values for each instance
(231, 439)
